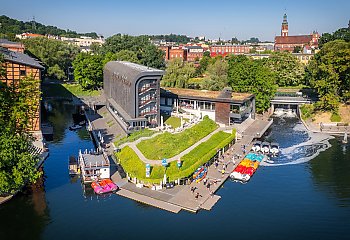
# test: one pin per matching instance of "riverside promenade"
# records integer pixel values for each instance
(181, 197)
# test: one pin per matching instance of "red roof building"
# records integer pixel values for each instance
(288, 43)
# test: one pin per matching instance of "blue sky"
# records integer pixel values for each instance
(213, 19)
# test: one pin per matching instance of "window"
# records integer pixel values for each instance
(22, 72)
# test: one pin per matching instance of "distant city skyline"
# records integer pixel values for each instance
(226, 19)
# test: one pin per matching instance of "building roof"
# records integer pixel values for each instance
(131, 71)
(302, 39)
(7, 42)
(206, 94)
(20, 58)
(95, 159)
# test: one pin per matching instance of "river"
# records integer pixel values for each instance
(306, 196)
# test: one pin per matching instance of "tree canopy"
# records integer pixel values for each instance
(57, 56)
(12, 26)
(88, 70)
(216, 78)
(146, 53)
(18, 104)
(340, 34)
(254, 76)
(329, 73)
(178, 73)
(288, 70)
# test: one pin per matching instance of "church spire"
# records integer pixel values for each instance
(284, 29)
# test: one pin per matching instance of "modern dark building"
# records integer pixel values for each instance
(224, 107)
(132, 94)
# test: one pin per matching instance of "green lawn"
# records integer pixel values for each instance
(190, 162)
(134, 136)
(78, 91)
(167, 145)
(174, 122)
(66, 90)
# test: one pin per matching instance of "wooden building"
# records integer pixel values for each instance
(19, 65)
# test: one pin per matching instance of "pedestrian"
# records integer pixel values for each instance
(208, 186)
(197, 196)
(233, 160)
(224, 166)
(216, 164)
(223, 172)
(205, 181)
(211, 194)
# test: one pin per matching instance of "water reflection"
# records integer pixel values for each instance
(26, 215)
(330, 172)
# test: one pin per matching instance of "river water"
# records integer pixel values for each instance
(306, 196)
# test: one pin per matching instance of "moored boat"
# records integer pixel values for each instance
(73, 166)
(265, 147)
(75, 127)
(104, 186)
(345, 139)
(256, 146)
(274, 149)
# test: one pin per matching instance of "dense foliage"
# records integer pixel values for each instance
(254, 76)
(289, 71)
(167, 145)
(11, 26)
(171, 38)
(329, 73)
(18, 104)
(216, 78)
(56, 55)
(146, 53)
(340, 34)
(178, 73)
(88, 70)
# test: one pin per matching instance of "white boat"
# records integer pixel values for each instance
(75, 127)
(265, 147)
(240, 177)
(256, 146)
(345, 140)
(274, 149)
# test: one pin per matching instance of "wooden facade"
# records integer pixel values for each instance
(14, 73)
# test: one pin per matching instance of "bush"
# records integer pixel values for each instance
(307, 111)
(167, 145)
(335, 117)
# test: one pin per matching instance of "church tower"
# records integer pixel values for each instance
(284, 29)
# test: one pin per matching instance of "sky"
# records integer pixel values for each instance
(213, 19)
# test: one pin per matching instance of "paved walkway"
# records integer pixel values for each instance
(175, 158)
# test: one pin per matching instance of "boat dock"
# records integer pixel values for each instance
(180, 197)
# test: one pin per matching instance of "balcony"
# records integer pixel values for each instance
(147, 88)
(152, 112)
(144, 103)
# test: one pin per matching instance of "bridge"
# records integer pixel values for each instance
(288, 101)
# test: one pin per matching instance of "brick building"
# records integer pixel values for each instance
(165, 49)
(194, 53)
(288, 43)
(224, 50)
(18, 66)
(178, 53)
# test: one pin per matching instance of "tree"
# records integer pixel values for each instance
(18, 105)
(153, 57)
(88, 70)
(148, 54)
(57, 56)
(217, 75)
(297, 49)
(178, 73)
(340, 34)
(288, 70)
(329, 73)
(2, 68)
(248, 75)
